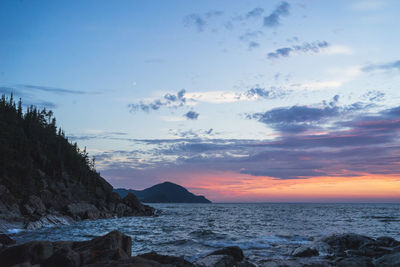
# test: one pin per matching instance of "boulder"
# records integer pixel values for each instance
(6, 240)
(225, 257)
(216, 261)
(166, 260)
(339, 243)
(392, 259)
(305, 251)
(386, 241)
(233, 251)
(83, 210)
(137, 208)
(114, 246)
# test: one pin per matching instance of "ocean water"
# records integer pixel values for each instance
(268, 230)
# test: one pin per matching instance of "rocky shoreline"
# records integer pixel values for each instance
(114, 249)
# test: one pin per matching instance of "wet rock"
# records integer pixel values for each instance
(114, 246)
(216, 261)
(166, 260)
(305, 251)
(6, 240)
(309, 262)
(339, 243)
(233, 251)
(229, 256)
(392, 259)
(354, 262)
(387, 241)
(32, 252)
(136, 206)
(48, 221)
(63, 257)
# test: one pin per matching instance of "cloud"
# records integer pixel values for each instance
(199, 21)
(195, 20)
(169, 100)
(191, 115)
(253, 44)
(28, 98)
(347, 146)
(250, 35)
(385, 66)
(197, 134)
(254, 13)
(314, 47)
(183, 98)
(297, 119)
(51, 89)
(273, 19)
(374, 96)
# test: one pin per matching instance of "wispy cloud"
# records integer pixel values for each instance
(314, 47)
(199, 21)
(254, 13)
(385, 66)
(273, 19)
(51, 89)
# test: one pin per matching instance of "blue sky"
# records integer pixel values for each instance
(230, 90)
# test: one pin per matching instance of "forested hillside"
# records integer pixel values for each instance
(42, 173)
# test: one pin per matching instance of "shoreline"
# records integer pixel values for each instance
(115, 249)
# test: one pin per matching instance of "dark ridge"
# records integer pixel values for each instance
(45, 179)
(166, 192)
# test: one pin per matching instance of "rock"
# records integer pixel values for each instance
(233, 251)
(392, 259)
(83, 210)
(33, 206)
(136, 206)
(114, 246)
(354, 262)
(305, 251)
(6, 240)
(339, 243)
(49, 221)
(309, 262)
(166, 260)
(229, 256)
(386, 241)
(63, 257)
(33, 252)
(216, 261)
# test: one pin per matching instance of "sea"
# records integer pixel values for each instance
(262, 230)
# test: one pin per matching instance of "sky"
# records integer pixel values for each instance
(239, 101)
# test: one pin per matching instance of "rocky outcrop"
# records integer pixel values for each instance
(226, 257)
(66, 205)
(112, 250)
(344, 250)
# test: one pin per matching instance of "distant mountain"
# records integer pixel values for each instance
(166, 192)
